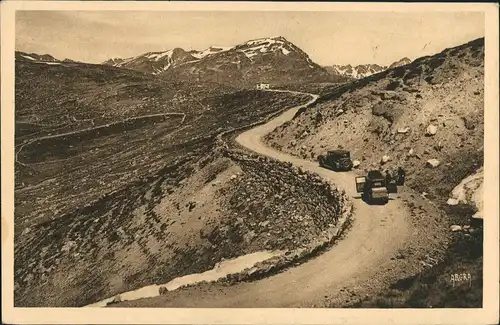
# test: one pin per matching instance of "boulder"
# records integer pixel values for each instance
(452, 201)
(403, 130)
(433, 163)
(455, 228)
(431, 130)
(356, 163)
(411, 153)
(385, 158)
(264, 223)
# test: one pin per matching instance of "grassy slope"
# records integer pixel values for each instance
(446, 90)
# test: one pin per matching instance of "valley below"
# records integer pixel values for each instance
(128, 180)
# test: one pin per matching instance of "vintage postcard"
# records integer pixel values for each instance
(249, 163)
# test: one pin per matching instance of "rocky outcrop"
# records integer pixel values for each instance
(470, 192)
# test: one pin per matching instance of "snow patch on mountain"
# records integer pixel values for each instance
(157, 56)
(261, 41)
(211, 50)
(28, 57)
(264, 45)
(49, 63)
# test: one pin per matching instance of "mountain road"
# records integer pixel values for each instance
(376, 234)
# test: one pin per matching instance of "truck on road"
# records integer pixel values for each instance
(337, 160)
(374, 187)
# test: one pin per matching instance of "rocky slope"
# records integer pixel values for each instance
(205, 206)
(273, 60)
(57, 174)
(112, 207)
(362, 70)
(426, 116)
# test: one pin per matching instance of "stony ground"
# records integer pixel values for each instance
(430, 109)
(227, 208)
(182, 213)
(113, 211)
(427, 117)
(58, 175)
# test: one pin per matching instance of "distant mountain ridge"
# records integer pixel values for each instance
(39, 58)
(363, 70)
(35, 57)
(272, 59)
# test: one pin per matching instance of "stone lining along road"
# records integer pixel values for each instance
(361, 257)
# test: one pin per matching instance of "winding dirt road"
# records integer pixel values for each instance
(376, 235)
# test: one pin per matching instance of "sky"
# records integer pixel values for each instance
(327, 37)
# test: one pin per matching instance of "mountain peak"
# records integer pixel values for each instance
(279, 38)
(403, 61)
(252, 61)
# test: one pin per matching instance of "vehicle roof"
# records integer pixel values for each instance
(375, 174)
(338, 152)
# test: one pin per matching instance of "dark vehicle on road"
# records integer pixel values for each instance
(374, 187)
(336, 160)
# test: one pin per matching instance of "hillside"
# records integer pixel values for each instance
(87, 95)
(427, 117)
(273, 60)
(429, 109)
(121, 183)
(362, 70)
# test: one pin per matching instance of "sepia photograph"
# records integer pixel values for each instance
(217, 156)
